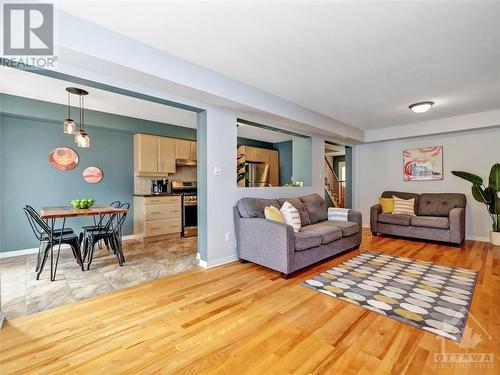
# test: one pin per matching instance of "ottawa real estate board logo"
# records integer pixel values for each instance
(28, 35)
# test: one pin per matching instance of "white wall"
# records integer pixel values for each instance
(379, 166)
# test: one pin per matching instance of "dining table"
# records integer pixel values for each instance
(51, 214)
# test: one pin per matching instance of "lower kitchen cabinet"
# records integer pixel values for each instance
(157, 217)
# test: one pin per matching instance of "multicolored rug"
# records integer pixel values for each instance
(422, 294)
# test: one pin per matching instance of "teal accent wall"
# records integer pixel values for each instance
(202, 175)
(30, 129)
(348, 177)
(253, 143)
(302, 160)
(286, 160)
(336, 167)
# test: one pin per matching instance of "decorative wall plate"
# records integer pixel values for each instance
(63, 158)
(92, 175)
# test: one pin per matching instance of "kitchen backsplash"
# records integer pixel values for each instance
(142, 185)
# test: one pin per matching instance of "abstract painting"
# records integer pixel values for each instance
(63, 158)
(423, 164)
(92, 175)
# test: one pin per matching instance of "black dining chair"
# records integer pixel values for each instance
(98, 225)
(44, 234)
(111, 232)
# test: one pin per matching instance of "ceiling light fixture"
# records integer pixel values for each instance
(82, 139)
(421, 107)
(69, 124)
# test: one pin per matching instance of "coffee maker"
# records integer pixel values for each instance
(160, 186)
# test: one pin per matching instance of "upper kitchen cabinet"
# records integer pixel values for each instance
(193, 150)
(182, 149)
(153, 155)
(145, 154)
(166, 155)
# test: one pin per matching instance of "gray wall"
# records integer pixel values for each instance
(379, 166)
(28, 178)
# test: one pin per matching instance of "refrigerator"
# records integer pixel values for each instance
(258, 175)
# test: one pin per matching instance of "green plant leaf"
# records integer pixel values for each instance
(479, 194)
(494, 181)
(469, 177)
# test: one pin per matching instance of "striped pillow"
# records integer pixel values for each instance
(291, 216)
(404, 206)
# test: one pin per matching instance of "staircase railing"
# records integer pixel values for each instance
(334, 185)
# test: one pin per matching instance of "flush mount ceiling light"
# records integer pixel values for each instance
(421, 107)
(81, 137)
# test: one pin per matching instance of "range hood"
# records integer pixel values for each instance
(185, 162)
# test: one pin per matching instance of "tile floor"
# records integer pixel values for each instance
(22, 294)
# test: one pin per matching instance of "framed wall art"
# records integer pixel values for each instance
(63, 158)
(423, 164)
(92, 175)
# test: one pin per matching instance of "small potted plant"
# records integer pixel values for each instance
(489, 195)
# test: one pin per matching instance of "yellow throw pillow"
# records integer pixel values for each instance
(272, 213)
(387, 205)
(404, 206)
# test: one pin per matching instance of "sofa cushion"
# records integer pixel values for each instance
(430, 222)
(306, 240)
(254, 207)
(348, 227)
(291, 216)
(297, 203)
(328, 233)
(402, 195)
(439, 204)
(316, 207)
(394, 219)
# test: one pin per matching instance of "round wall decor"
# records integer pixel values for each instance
(63, 158)
(92, 175)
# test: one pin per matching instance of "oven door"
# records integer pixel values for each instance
(190, 219)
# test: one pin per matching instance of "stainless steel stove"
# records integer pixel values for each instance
(188, 192)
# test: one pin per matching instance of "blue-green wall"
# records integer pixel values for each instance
(253, 143)
(286, 160)
(302, 160)
(30, 129)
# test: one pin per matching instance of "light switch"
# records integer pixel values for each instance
(217, 171)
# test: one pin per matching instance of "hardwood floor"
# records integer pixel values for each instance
(243, 318)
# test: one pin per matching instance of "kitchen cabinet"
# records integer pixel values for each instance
(182, 149)
(145, 153)
(157, 217)
(166, 155)
(274, 174)
(194, 151)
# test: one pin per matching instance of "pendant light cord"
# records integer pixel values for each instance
(69, 107)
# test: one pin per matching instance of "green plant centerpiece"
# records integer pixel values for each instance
(82, 203)
(488, 195)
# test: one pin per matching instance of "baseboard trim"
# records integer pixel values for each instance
(34, 250)
(216, 262)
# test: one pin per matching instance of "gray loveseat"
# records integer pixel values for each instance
(276, 246)
(439, 217)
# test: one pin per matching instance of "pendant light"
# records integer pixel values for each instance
(69, 124)
(81, 137)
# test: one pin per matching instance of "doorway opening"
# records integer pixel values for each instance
(338, 175)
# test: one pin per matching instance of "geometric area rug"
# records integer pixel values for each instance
(422, 294)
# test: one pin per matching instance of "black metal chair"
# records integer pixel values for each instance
(98, 226)
(45, 234)
(111, 233)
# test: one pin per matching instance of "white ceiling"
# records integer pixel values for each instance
(362, 63)
(261, 134)
(53, 90)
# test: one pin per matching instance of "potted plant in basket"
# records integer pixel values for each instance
(489, 195)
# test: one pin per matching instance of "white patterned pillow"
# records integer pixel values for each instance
(291, 216)
(404, 206)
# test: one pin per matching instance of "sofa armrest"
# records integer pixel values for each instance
(457, 225)
(375, 210)
(356, 217)
(267, 243)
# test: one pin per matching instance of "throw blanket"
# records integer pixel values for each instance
(337, 214)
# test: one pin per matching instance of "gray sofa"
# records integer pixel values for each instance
(439, 217)
(276, 246)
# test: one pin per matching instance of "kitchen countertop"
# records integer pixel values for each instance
(158, 195)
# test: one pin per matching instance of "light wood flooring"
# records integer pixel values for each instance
(245, 319)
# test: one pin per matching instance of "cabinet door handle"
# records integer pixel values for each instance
(156, 212)
(155, 228)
